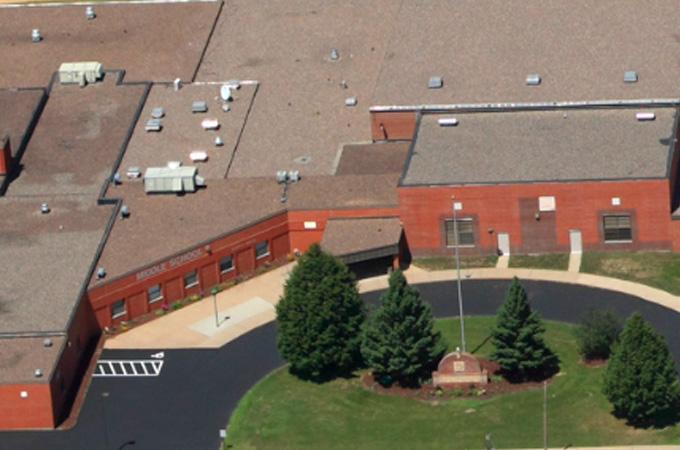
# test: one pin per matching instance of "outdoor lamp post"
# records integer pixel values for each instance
(214, 292)
(457, 206)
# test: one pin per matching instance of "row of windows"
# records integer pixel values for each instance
(155, 294)
(616, 229)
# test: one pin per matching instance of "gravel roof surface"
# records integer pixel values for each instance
(20, 357)
(300, 107)
(158, 42)
(182, 132)
(347, 236)
(484, 49)
(542, 146)
(65, 165)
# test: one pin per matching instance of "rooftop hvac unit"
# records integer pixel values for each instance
(199, 107)
(89, 13)
(210, 124)
(171, 180)
(435, 82)
(643, 116)
(225, 92)
(351, 101)
(533, 79)
(281, 176)
(630, 76)
(154, 125)
(294, 176)
(157, 113)
(448, 122)
(80, 72)
(133, 172)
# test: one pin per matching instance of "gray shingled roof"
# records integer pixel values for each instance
(542, 146)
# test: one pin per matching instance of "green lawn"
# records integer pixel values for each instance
(547, 261)
(283, 412)
(657, 269)
(449, 262)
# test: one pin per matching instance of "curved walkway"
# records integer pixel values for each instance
(251, 304)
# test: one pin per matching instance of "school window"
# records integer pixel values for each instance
(191, 279)
(118, 308)
(617, 228)
(154, 293)
(261, 249)
(226, 264)
(466, 234)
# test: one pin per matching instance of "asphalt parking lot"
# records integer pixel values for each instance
(185, 403)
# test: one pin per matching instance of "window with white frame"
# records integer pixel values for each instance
(190, 279)
(154, 293)
(226, 264)
(261, 249)
(617, 228)
(466, 234)
(118, 308)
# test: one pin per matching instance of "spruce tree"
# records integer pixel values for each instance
(640, 380)
(319, 317)
(597, 332)
(517, 337)
(399, 341)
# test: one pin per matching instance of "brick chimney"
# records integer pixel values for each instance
(5, 157)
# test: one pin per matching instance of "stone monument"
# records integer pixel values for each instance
(459, 368)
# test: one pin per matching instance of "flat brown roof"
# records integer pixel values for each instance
(182, 133)
(372, 158)
(352, 236)
(21, 357)
(46, 258)
(567, 145)
(150, 41)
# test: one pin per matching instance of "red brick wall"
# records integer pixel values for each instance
(34, 411)
(508, 208)
(393, 125)
(204, 258)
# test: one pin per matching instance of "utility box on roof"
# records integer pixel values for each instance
(171, 180)
(80, 72)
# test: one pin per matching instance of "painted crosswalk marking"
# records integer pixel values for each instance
(128, 368)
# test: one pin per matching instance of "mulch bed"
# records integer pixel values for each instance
(429, 393)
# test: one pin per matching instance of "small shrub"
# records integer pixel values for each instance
(457, 392)
(160, 312)
(195, 298)
(176, 305)
(597, 332)
(439, 391)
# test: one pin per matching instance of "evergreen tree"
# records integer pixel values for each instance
(399, 341)
(640, 380)
(598, 331)
(319, 317)
(518, 342)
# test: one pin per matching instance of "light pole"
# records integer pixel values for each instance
(457, 206)
(214, 292)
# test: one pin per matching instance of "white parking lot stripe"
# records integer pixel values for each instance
(128, 368)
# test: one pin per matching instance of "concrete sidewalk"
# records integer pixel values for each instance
(250, 304)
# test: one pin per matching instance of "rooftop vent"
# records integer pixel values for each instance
(124, 212)
(281, 176)
(35, 35)
(218, 142)
(89, 13)
(334, 54)
(225, 93)
(44, 208)
(133, 172)
(435, 82)
(448, 122)
(630, 76)
(351, 101)
(199, 107)
(47, 342)
(294, 176)
(101, 273)
(642, 116)
(154, 125)
(116, 179)
(38, 373)
(533, 79)
(234, 84)
(157, 112)
(177, 84)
